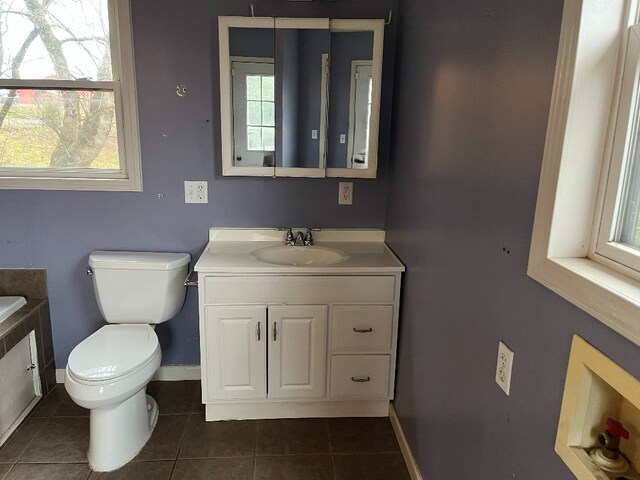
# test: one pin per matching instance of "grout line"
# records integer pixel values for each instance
(13, 465)
(46, 421)
(255, 451)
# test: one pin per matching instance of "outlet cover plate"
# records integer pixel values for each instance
(503, 367)
(345, 193)
(196, 192)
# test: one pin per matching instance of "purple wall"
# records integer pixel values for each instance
(473, 89)
(180, 141)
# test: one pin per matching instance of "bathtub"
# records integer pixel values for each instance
(10, 305)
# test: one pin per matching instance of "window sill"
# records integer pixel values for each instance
(80, 184)
(611, 297)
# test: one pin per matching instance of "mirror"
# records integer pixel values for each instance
(302, 55)
(356, 70)
(300, 96)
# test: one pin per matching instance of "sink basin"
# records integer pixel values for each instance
(299, 256)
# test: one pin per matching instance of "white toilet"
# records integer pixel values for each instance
(109, 371)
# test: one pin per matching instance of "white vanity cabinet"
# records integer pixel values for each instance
(260, 352)
(297, 341)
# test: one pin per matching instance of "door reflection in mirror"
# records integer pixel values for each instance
(351, 83)
(253, 92)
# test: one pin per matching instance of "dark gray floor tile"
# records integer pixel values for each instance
(137, 470)
(47, 471)
(218, 439)
(165, 440)
(218, 468)
(176, 397)
(50, 403)
(362, 435)
(292, 436)
(11, 451)
(297, 467)
(61, 440)
(4, 469)
(384, 466)
(69, 408)
(59, 404)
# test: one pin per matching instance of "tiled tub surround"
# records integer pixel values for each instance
(52, 444)
(31, 284)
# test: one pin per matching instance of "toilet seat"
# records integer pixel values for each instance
(113, 352)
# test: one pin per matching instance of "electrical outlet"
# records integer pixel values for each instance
(345, 193)
(343, 138)
(195, 192)
(503, 368)
(314, 134)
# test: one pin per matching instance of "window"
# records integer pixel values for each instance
(254, 111)
(619, 229)
(68, 115)
(587, 196)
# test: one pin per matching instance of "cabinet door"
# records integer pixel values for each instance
(236, 352)
(297, 351)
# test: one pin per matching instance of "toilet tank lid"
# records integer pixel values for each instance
(138, 260)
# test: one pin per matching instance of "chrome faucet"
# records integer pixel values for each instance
(299, 238)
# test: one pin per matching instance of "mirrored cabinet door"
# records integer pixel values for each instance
(302, 57)
(247, 101)
(354, 105)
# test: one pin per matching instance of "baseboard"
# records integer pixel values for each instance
(412, 466)
(166, 373)
(176, 373)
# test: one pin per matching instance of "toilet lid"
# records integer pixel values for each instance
(113, 351)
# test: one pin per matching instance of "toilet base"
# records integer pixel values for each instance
(117, 434)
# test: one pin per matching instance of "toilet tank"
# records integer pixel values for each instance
(139, 287)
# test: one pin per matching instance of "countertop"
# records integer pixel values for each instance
(231, 251)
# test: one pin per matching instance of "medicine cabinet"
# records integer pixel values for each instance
(300, 97)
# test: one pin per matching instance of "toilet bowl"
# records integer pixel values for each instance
(108, 372)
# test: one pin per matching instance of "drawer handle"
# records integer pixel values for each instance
(361, 379)
(258, 333)
(363, 330)
(275, 331)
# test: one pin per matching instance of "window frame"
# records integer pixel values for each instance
(624, 145)
(571, 189)
(129, 176)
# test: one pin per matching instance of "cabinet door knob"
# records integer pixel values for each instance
(360, 379)
(258, 331)
(275, 331)
(363, 330)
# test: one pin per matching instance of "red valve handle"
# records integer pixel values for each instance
(616, 429)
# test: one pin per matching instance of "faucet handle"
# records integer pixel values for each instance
(308, 237)
(288, 237)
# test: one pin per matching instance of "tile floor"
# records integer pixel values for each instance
(51, 445)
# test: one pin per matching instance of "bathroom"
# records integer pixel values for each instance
(462, 141)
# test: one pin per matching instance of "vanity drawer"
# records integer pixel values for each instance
(299, 289)
(360, 376)
(361, 328)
